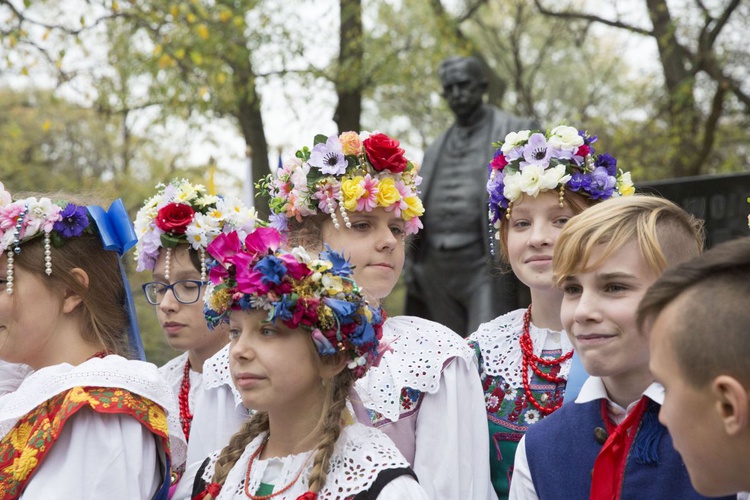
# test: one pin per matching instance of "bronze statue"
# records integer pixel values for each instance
(451, 276)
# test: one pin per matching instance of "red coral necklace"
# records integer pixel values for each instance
(532, 360)
(186, 418)
(275, 493)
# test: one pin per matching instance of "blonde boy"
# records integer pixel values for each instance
(609, 444)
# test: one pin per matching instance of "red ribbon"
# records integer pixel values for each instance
(212, 489)
(609, 468)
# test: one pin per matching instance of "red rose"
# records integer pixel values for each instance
(174, 218)
(499, 162)
(384, 153)
(583, 150)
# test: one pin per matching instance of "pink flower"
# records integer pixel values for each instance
(413, 226)
(368, 200)
(296, 269)
(224, 246)
(262, 241)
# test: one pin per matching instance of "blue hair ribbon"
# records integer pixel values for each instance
(117, 235)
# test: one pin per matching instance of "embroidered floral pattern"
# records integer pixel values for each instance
(25, 446)
(409, 402)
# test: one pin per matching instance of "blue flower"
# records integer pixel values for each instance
(342, 309)
(607, 161)
(364, 334)
(579, 181)
(244, 303)
(329, 157)
(272, 269)
(341, 265)
(282, 309)
(74, 220)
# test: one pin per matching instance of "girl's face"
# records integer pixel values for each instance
(184, 325)
(598, 311)
(29, 319)
(274, 368)
(375, 247)
(533, 228)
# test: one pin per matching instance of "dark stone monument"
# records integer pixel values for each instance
(451, 277)
(720, 200)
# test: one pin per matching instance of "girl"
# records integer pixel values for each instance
(537, 183)
(174, 227)
(301, 333)
(358, 194)
(87, 423)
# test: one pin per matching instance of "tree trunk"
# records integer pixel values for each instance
(349, 80)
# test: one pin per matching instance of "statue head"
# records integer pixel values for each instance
(464, 84)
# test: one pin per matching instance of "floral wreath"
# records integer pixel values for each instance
(57, 221)
(530, 162)
(316, 294)
(347, 172)
(185, 213)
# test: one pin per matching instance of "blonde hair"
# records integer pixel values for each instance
(330, 425)
(666, 234)
(576, 202)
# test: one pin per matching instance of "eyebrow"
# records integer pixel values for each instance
(615, 275)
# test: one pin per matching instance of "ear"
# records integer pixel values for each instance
(330, 368)
(731, 404)
(72, 299)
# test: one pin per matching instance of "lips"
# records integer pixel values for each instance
(172, 327)
(593, 338)
(382, 265)
(538, 258)
(245, 380)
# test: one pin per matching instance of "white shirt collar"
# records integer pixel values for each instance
(593, 389)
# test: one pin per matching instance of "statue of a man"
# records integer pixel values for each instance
(452, 279)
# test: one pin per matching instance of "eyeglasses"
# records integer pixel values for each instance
(185, 291)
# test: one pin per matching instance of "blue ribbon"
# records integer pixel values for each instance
(117, 235)
(576, 378)
(114, 226)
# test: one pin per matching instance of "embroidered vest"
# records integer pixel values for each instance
(562, 448)
(25, 446)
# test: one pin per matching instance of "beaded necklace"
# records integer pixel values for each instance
(186, 418)
(275, 493)
(532, 360)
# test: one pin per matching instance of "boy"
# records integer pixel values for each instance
(609, 444)
(698, 317)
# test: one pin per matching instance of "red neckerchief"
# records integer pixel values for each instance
(609, 468)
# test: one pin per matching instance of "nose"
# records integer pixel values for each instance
(169, 303)
(242, 348)
(386, 239)
(540, 236)
(587, 309)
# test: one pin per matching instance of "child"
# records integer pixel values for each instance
(697, 317)
(358, 194)
(609, 444)
(175, 227)
(301, 333)
(87, 423)
(536, 185)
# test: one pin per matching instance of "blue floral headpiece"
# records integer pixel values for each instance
(529, 162)
(296, 289)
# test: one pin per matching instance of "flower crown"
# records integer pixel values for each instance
(347, 172)
(529, 162)
(317, 294)
(185, 213)
(57, 221)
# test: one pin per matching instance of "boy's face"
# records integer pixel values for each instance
(598, 313)
(690, 412)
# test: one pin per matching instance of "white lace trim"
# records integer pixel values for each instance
(360, 454)
(216, 373)
(501, 352)
(137, 377)
(421, 349)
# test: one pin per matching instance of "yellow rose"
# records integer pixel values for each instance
(350, 143)
(387, 193)
(352, 191)
(24, 464)
(414, 208)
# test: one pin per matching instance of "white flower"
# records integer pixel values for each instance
(515, 139)
(206, 200)
(531, 416)
(534, 179)
(301, 254)
(196, 232)
(564, 137)
(5, 197)
(625, 185)
(42, 215)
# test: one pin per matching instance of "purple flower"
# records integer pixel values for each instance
(602, 184)
(498, 202)
(536, 152)
(579, 181)
(278, 222)
(329, 157)
(73, 221)
(607, 161)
